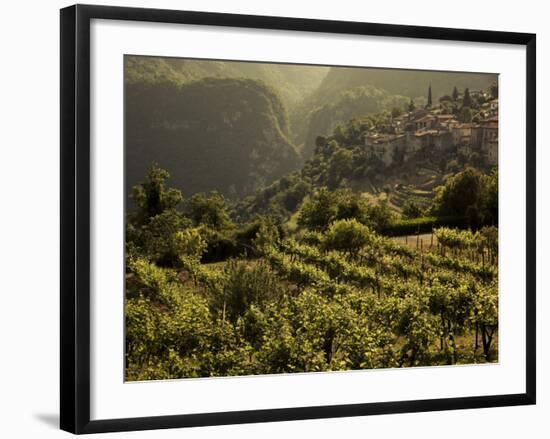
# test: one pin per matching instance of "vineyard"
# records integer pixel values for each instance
(345, 298)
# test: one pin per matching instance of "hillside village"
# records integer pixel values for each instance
(438, 129)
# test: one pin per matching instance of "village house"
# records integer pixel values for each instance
(489, 142)
(425, 123)
(462, 135)
(446, 120)
(384, 146)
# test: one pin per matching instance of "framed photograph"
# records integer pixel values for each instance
(268, 219)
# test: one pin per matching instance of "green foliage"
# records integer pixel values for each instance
(489, 238)
(411, 210)
(267, 237)
(152, 227)
(340, 166)
(280, 199)
(417, 326)
(485, 316)
(319, 211)
(466, 100)
(380, 216)
(324, 207)
(455, 93)
(348, 235)
(470, 194)
(209, 210)
(151, 197)
(157, 237)
(245, 285)
(190, 242)
(466, 115)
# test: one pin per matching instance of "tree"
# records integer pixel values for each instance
(348, 235)
(318, 210)
(320, 143)
(350, 205)
(459, 192)
(323, 207)
(429, 105)
(470, 194)
(151, 228)
(491, 201)
(380, 216)
(476, 159)
(411, 210)
(208, 210)
(453, 166)
(466, 115)
(293, 196)
(467, 100)
(455, 94)
(157, 237)
(151, 197)
(267, 237)
(190, 243)
(411, 106)
(340, 166)
(245, 285)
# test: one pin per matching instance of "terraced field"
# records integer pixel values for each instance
(419, 187)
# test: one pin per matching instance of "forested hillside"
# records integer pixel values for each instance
(353, 102)
(225, 134)
(410, 83)
(292, 82)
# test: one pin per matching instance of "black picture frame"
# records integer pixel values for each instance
(75, 217)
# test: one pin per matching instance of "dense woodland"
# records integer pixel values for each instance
(250, 253)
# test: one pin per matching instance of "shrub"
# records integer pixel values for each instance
(246, 284)
(411, 210)
(348, 235)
